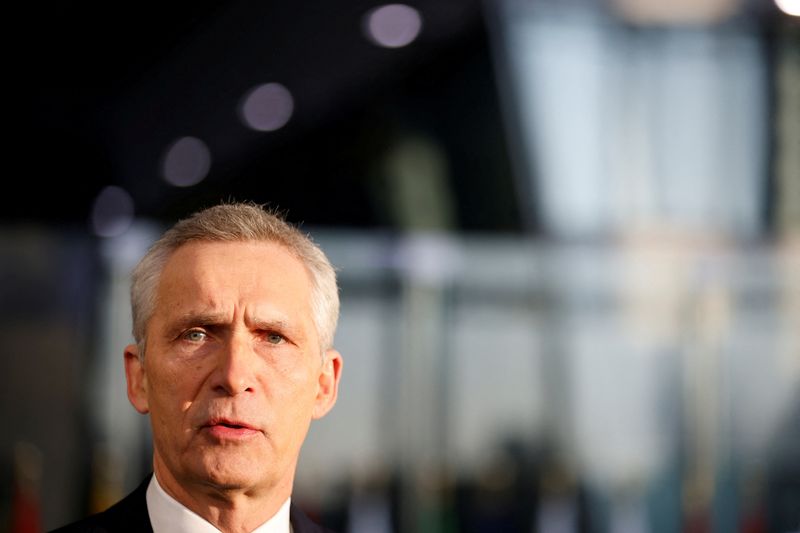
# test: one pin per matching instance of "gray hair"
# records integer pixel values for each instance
(236, 222)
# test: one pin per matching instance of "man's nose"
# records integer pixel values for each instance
(236, 367)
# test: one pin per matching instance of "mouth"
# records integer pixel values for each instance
(234, 424)
(225, 429)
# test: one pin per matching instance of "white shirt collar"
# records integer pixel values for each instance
(168, 515)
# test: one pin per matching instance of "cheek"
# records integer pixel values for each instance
(288, 369)
(287, 390)
(171, 393)
(302, 389)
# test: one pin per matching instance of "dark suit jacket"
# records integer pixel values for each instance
(129, 515)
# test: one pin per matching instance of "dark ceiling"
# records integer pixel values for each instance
(101, 90)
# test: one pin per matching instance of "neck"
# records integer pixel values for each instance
(231, 510)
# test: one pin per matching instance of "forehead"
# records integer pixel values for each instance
(241, 270)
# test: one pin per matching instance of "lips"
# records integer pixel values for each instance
(229, 429)
(230, 423)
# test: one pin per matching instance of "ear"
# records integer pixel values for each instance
(328, 389)
(136, 378)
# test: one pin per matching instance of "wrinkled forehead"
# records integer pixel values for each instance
(218, 273)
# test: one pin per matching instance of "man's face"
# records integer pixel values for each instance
(233, 372)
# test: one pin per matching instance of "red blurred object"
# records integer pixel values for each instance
(755, 522)
(25, 511)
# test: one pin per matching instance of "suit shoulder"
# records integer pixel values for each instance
(120, 518)
(91, 524)
(129, 515)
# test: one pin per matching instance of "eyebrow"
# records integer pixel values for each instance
(278, 325)
(197, 319)
(269, 324)
(216, 319)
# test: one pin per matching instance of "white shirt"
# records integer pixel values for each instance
(167, 515)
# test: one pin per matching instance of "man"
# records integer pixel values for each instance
(234, 313)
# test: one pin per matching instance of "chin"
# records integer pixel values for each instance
(233, 473)
(230, 479)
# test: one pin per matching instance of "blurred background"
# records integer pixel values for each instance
(567, 235)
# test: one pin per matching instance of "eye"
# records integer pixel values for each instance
(194, 335)
(274, 338)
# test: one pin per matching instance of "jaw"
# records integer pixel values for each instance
(248, 466)
(221, 494)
